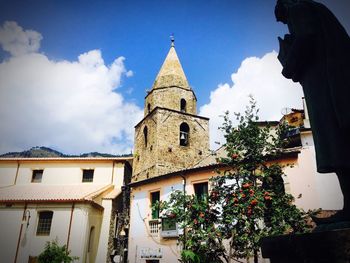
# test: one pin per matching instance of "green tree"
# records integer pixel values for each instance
(54, 253)
(202, 240)
(247, 200)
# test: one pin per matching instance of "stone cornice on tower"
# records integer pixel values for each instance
(150, 92)
(171, 73)
(170, 110)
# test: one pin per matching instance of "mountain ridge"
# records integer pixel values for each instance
(46, 152)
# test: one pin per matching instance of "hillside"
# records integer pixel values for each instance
(45, 152)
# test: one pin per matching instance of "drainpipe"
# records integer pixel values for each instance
(113, 172)
(20, 232)
(70, 225)
(16, 173)
(184, 204)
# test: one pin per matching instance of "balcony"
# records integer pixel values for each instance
(169, 228)
(154, 226)
(164, 227)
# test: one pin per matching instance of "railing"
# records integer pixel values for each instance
(154, 227)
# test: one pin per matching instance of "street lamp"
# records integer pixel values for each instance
(26, 217)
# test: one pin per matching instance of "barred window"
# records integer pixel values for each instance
(44, 223)
(88, 175)
(37, 176)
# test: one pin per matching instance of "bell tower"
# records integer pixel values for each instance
(171, 136)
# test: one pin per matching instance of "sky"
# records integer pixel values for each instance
(74, 74)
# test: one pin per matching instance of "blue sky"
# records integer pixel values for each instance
(212, 39)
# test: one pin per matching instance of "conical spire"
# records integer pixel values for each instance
(171, 72)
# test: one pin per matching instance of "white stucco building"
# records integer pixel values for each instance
(71, 199)
(149, 241)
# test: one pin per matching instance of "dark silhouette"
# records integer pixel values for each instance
(316, 53)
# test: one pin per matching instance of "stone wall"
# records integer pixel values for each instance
(145, 155)
(170, 98)
(163, 153)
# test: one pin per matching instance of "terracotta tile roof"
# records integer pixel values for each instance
(208, 163)
(211, 158)
(113, 194)
(41, 192)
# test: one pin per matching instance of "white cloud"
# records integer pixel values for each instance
(17, 41)
(72, 106)
(260, 77)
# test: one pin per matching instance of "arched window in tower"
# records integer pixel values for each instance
(184, 134)
(145, 135)
(148, 107)
(183, 105)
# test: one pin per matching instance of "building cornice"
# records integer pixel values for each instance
(290, 154)
(160, 88)
(166, 109)
(89, 202)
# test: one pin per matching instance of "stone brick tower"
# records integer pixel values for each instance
(171, 136)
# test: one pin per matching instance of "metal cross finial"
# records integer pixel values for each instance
(172, 38)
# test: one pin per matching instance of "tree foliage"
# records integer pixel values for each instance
(202, 240)
(54, 253)
(247, 200)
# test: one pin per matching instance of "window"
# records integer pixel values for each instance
(44, 223)
(168, 224)
(201, 190)
(145, 135)
(183, 105)
(88, 175)
(149, 108)
(37, 176)
(155, 208)
(169, 228)
(184, 134)
(153, 227)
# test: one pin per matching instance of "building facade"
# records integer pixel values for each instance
(71, 200)
(150, 241)
(311, 189)
(171, 137)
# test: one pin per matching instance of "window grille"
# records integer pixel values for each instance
(154, 227)
(88, 175)
(44, 223)
(37, 176)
